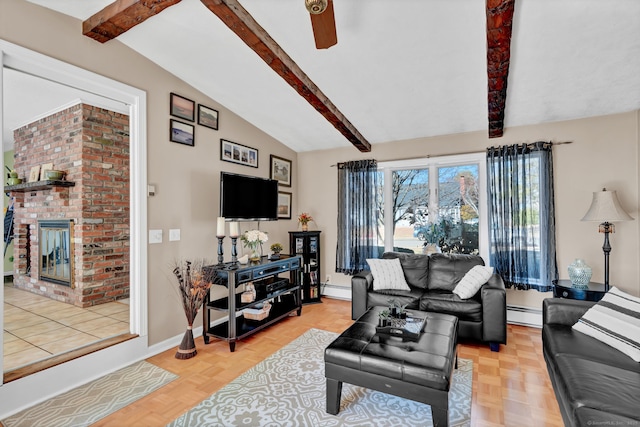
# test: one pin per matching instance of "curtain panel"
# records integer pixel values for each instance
(522, 215)
(357, 215)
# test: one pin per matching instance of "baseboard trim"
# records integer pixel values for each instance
(526, 316)
(337, 292)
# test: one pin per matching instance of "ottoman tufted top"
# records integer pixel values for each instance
(429, 361)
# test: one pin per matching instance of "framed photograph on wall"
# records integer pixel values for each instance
(280, 170)
(182, 107)
(238, 153)
(284, 205)
(182, 133)
(207, 117)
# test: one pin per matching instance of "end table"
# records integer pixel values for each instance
(564, 289)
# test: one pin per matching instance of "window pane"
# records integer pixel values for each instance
(455, 230)
(410, 193)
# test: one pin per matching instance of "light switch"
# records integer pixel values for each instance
(155, 236)
(174, 234)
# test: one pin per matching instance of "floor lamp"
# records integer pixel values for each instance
(606, 208)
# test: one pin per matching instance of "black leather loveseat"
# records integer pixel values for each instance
(431, 279)
(595, 384)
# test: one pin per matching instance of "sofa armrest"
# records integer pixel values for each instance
(360, 284)
(494, 310)
(562, 311)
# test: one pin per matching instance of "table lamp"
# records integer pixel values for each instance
(606, 208)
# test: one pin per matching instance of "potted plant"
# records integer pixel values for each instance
(435, 235)
(304, 219)
(383, 318)
(397, 310)
(276, 248)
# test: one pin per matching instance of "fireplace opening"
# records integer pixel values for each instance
(56, 252)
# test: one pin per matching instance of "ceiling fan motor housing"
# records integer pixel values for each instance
(316, 7)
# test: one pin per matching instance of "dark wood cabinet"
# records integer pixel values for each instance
(307, 245)
(282, 294)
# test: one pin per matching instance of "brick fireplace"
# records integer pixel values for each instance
(91, 145)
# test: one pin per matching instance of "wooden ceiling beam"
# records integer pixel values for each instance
(242, 23)
(499, 24)
(120, 16)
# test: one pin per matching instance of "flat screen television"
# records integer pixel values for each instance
(248, 198)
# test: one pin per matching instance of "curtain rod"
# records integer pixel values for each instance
(429, 156)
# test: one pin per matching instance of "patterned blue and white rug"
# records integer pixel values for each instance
(288, 389)
(95, 400)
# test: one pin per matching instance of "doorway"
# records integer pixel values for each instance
(104, 92)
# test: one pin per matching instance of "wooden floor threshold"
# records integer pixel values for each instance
(32, 368)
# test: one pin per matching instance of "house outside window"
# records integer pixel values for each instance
(433, 204)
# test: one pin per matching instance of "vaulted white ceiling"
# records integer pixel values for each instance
(402, 68)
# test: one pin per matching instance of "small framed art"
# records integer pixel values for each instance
(182, 133)
(284, 205)
(238, 153)
(182, 107)
(207, 117)
(280, 170)
(34, 174)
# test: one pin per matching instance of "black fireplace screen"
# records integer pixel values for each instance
(56, 252)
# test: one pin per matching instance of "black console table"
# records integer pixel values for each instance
(564, 289)
(284, 294)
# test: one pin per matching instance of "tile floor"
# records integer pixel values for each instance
(36, 327)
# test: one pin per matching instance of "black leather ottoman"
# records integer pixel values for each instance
(418, 370)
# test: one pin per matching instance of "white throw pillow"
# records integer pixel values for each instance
(469, 285)
(614, 320)
(387, 274)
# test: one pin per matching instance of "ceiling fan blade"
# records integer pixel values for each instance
(324, 28)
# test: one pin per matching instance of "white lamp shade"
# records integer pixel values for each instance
(605, 207)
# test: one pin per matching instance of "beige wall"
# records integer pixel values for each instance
(603, 153)
(186, 178)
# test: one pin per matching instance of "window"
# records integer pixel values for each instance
(437, 204)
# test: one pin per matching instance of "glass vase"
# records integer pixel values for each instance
(579, 273)
(254, 255)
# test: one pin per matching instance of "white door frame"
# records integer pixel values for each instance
(52, 381)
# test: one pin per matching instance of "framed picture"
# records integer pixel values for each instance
(238, 153)
(182, 133)
(280, 170)
(45, 167)
(34, 174)
(284, 205)
(182, 107)
(207, 117)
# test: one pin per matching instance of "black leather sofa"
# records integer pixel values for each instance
(595, 384)
(431, 279)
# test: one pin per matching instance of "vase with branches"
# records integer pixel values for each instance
(194, 282)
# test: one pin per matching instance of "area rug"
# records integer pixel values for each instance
(288, 389)
(93, 401)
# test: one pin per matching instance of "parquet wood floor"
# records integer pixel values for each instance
(510, 388)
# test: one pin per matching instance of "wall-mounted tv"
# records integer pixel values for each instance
(248, 198)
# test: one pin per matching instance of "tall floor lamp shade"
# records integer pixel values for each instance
(606, 208)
